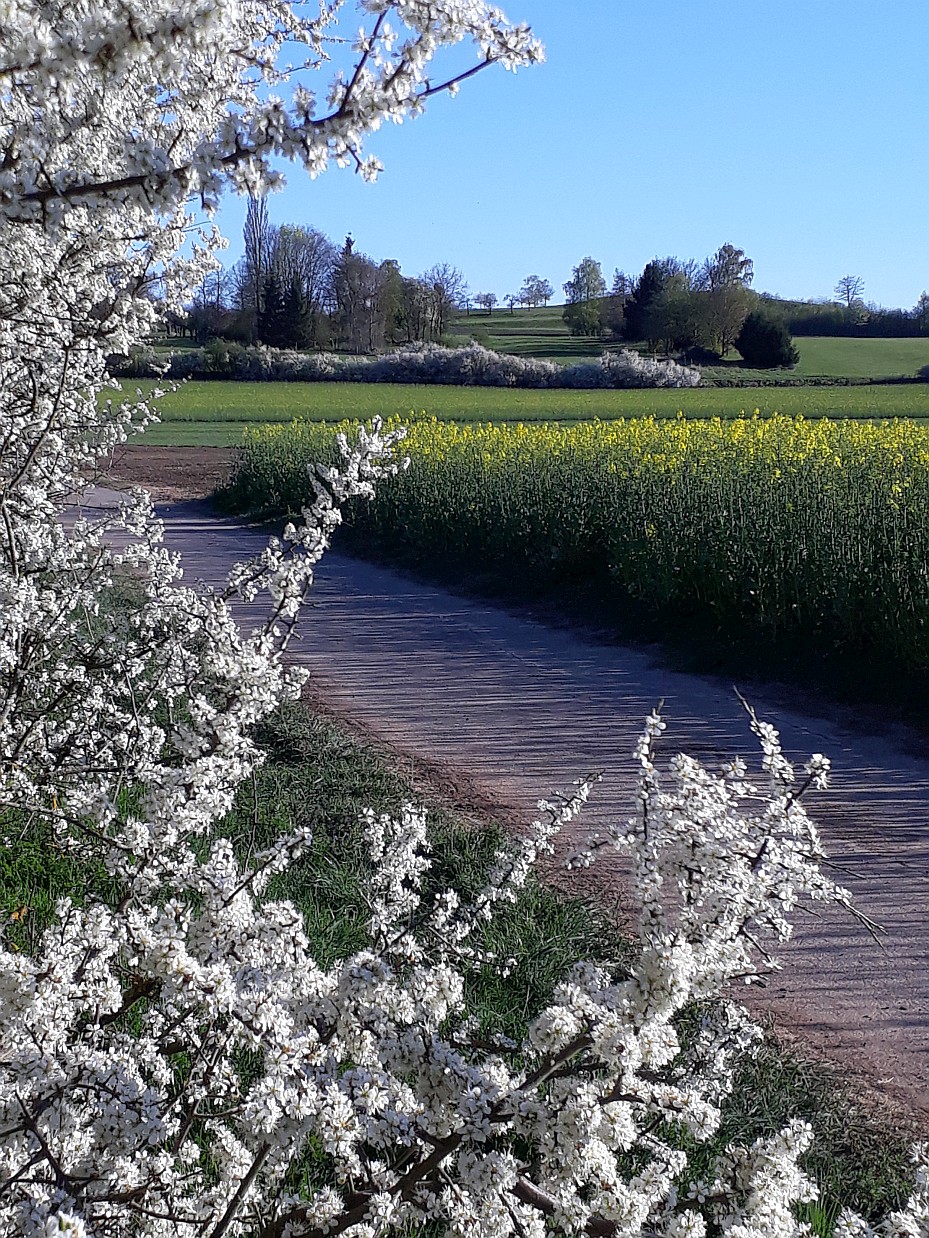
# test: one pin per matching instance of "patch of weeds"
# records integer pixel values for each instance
(318, 776)
(35, 872)
(857, 1160)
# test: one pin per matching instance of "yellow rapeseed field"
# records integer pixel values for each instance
(777, 522)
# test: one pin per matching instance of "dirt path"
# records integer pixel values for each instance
(522, 709)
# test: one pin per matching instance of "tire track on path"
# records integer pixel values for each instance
(523, 709)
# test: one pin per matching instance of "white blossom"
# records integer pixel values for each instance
(171, 1055)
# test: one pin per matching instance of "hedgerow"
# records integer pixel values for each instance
(472, 366)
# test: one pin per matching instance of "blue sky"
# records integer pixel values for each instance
(796, 129)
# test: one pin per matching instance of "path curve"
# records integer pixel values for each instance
(523, 709)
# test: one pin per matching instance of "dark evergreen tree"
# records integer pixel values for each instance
(297, 317)
(648, 286)
(270, 320)
(765, 342)
(284, 319)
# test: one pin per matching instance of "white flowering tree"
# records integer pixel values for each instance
(173, 1059)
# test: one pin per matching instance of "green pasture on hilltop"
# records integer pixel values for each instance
(526, 333)
(216, 413)
(542, 333)
(832, 356)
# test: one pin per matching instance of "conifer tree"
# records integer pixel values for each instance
(766, 342)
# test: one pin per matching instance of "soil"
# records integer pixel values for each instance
(169, 473)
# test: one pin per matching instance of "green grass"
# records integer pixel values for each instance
(837, 358)
(542, 333)
(34, 873)
(527, 333)
(319, 775)
(195, 434)
(215, 413)
(851, 358)
(174, 343)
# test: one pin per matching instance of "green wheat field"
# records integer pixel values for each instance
(215, 414)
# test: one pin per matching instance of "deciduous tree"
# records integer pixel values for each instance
(850, 289)
(675, 317)
(256, 264)
(728, 268)
(361, 294)
(584, 294)
(535, 291)
(447, 288)
(726, 278)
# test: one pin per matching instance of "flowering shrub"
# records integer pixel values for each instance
(630, 369)
(174, 1060)
(471, 366)
(128, 1031)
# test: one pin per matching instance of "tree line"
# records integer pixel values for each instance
(294, 288)
(535, 291)
(699, 309)
(851, 315)
(696, 309)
